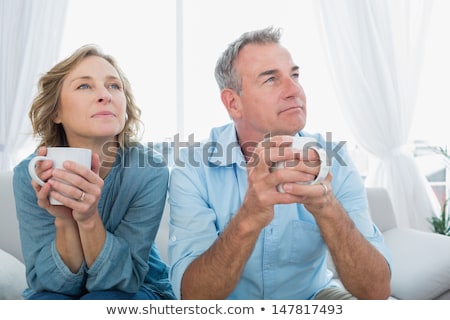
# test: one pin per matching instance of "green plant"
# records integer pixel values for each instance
(441, 224)
(444, 152)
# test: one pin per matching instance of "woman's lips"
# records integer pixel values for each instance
(103, 114)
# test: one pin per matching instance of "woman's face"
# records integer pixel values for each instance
(92, 106)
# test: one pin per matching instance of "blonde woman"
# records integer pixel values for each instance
(100, 243)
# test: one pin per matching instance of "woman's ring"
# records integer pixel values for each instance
(83, 195)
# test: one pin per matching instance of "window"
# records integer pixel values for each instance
(171, 66)
(142, 35)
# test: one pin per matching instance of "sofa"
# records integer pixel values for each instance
(12, 274)
(421, 260)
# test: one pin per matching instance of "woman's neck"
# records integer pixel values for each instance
(106, 152)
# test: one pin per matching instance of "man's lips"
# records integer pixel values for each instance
(296, 108)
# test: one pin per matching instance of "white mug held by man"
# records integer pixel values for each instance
(308, 153)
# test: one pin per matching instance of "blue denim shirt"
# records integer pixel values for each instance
(207, 187)
(131, 206)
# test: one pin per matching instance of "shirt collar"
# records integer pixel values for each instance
(224, 149)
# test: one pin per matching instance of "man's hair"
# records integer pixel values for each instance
(225, 72)
(45, 104)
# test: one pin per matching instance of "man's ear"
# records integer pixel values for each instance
(231, 101)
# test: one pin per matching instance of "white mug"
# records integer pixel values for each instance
(304, 144)
(58, 155)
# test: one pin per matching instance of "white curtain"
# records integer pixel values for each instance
(375, 50)
(30, 36)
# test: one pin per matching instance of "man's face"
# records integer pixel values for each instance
(272, 99)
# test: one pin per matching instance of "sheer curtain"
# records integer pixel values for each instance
(375, 50)
(30, 35)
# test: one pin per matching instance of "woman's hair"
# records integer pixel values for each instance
(45, 104)
(225, 72)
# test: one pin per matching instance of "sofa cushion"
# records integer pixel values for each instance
(420, 263)
(9, 228)
(12, 277)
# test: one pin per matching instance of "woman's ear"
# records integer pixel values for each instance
(231, 101)
(56, 119)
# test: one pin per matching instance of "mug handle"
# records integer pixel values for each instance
(32, 168)
(324, 167)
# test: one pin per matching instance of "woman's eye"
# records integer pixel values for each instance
(115, 86)
(84, 86)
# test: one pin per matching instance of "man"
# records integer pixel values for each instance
(233, 235)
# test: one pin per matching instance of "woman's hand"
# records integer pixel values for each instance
(78, 188)
(44, 170)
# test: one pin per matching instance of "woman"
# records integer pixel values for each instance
(100, 243)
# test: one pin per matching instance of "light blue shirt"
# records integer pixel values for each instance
(130, 206)
(207, 186)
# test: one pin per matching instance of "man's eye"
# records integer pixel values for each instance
(271, 79)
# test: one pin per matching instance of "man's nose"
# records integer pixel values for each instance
(292, 87)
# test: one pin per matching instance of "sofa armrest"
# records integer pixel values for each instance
(12, 277)
(9, 226)
(420, 263)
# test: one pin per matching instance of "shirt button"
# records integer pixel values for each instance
(173, 238)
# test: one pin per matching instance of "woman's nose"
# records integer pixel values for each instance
(104, 96)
